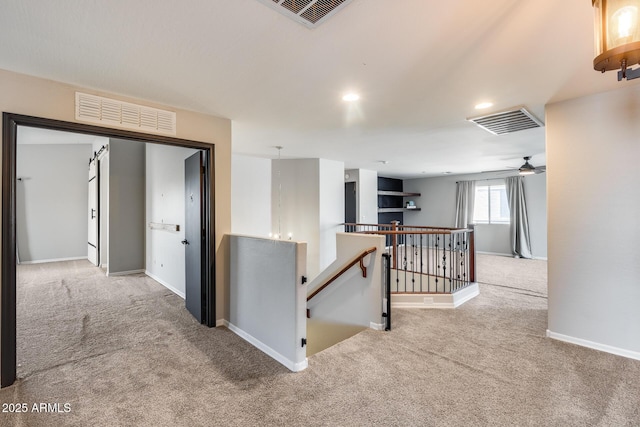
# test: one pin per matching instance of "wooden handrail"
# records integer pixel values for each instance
(426, 227)
(395, 232)
(354, 261)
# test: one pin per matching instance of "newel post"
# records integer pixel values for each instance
(472, 252)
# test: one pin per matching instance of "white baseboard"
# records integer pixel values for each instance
(166, 285)
(43, 261)
(494, 253)
(290, 364)
(377, 326)
(464, 295)
(222, 322)
(543, 258)
(594, 345)
(125, 273)
(447, 301)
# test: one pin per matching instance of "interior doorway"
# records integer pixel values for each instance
(350, 203)
(9, 253)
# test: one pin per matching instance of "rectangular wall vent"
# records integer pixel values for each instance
(106, 111)
(310, 13)
(507, 121)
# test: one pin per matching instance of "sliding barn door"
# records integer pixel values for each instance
(94, 224)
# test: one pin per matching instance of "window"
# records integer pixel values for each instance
(490, 205)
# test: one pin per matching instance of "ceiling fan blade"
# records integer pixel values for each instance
(495, 171)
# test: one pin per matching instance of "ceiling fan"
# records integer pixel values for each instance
(528, 169)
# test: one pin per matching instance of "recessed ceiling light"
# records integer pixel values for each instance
(350, 97)
(483, 105)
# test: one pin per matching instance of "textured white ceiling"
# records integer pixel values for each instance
(420, 67)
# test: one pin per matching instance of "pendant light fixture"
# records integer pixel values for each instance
(277, 234)
(617, 37)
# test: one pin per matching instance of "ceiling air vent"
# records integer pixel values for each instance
(114, 113)
(310, 13)
(507, 121)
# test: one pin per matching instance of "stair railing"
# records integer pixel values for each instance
(426, 259)
(356, 260)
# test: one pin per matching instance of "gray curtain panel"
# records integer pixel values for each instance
(520, 240)
(465, 194)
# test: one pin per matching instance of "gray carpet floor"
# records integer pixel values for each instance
(124, 351)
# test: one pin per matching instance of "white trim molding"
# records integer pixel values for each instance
(124, 273)
(495, 253)
(377, 326)
(594, 345)
(43, 261)
(166, 285)
(453, 300)
(542, 258)
(290, 364)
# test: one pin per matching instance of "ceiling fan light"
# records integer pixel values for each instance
(527, 168)
(617, 34)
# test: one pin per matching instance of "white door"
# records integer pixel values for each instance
(92, 246)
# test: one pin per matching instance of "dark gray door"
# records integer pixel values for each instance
(350, 202)
(193, 234)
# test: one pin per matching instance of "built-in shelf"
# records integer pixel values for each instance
(393, 200)
(384, 210)
(397, 193)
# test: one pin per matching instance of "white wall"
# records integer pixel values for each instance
(126, 206)
(535, 190)
(267, 298)
(331, 204)
(250, 195)
(493, 239)
(366, 194)
(438, 208)
(165, 203)
(351, 299)
(310, 206)
(594, 274)
(52, 201)
(295, 207)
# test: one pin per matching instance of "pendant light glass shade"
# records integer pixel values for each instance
(617, 34)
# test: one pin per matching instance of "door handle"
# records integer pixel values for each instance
(185, 242)
(93, 213)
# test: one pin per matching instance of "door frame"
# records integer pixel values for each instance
(10, 123)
